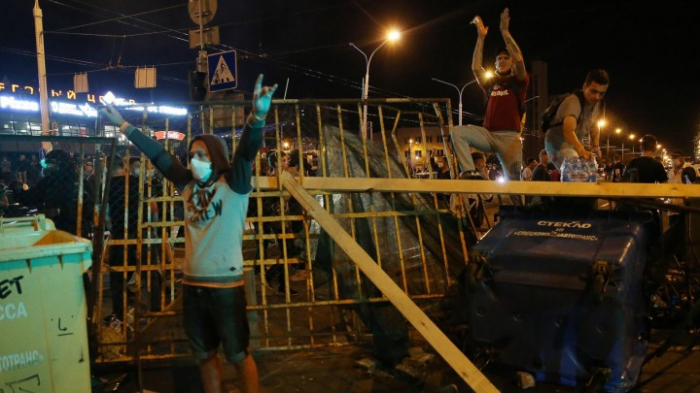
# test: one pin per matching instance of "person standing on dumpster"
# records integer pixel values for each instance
(505, 94)
(215, 194)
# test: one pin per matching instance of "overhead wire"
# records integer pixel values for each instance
(113, 19)
(173, 33)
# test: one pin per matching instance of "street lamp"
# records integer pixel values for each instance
(392, 36)
(460, 91)
(601, 125)
(632, 138)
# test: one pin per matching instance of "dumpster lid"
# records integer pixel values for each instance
(37, 222)
(26, 238)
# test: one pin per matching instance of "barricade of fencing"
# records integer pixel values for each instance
(304, 289)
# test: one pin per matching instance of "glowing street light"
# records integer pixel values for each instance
(393, 35)
(618, 130)
(601, 125)
(488, 75)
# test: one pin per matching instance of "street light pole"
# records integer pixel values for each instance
(365, 89)
(622, 151)
(460, 91)
(41, 67)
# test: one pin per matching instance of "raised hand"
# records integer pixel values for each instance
(480, 28)
(262, 97)
(505, 20)
(112, 114)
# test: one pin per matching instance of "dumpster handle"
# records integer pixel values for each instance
(38, 222)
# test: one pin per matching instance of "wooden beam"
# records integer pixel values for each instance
(454, 357)
(149, 332)
(598, 190)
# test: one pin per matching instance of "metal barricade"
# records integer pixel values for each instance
(322, 297)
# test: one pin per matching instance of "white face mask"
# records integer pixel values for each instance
(201, 170)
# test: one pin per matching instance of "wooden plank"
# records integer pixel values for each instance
(149, 332)
(452, 355)
(599, 190)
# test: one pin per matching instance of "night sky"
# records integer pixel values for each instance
(650, 49)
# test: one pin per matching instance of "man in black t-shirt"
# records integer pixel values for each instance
(541, 171)
(617, 168)
(645, 169)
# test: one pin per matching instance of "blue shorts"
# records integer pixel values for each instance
(214, 316)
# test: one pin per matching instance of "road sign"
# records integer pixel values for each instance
(209, 36)
(223, 71)
(202, 11)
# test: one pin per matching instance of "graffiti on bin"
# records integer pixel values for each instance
(62, 324)
(23, 385)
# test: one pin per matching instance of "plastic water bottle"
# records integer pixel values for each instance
(593, 169)
(585, 170)
(577, 173)
(565, 170)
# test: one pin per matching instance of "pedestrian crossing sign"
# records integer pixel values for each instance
(223, 71)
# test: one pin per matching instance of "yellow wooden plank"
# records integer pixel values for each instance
(599, 190)
(452, 355)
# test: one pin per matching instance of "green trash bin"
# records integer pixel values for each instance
(43, 312)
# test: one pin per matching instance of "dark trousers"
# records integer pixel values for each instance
(117, 279)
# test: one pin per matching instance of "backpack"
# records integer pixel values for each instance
(551, 110)
(689, 174)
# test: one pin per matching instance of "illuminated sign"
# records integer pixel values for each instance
(69, 94)
(9, 102)
(64, 108)
(164, 110)
(160, 135)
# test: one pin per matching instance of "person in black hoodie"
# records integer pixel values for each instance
(215, 192)
(56, 194)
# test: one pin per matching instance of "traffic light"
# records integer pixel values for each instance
(198, 85)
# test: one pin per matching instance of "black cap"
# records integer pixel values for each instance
(502, 49)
